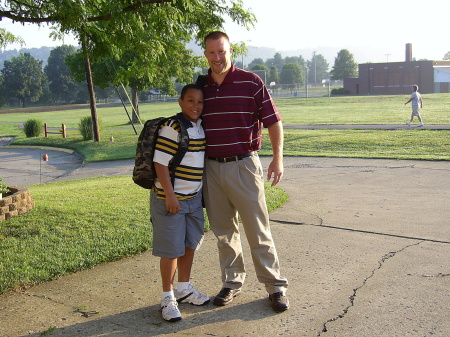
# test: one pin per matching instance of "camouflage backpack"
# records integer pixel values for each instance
(144, 173)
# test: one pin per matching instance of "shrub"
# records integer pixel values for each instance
(33, 127)
(85, 127)
(3, 187)
(340, 91)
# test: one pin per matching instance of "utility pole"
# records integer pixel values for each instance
(315, 70)
(306, 81)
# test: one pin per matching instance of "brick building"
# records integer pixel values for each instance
(396, 78)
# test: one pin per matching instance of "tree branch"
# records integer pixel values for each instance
(17, 17)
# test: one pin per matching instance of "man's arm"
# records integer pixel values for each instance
(275, 169)
(172, 203)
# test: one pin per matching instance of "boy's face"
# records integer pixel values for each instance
(192, 104)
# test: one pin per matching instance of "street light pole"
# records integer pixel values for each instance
(306, 81)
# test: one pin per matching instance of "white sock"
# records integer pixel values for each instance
(168, 294)
(183, 285)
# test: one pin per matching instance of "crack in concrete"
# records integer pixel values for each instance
(353, 295)
(43, 297)
(357, 230)
(85, 312)
(362, 168)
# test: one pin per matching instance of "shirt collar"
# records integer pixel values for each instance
(186, 122)
(228, 78)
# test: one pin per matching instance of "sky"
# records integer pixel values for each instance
(372, 33)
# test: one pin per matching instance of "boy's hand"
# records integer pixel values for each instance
(172, 204)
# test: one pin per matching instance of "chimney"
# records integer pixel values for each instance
(408, 52)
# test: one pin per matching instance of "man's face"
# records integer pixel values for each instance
(218, 53)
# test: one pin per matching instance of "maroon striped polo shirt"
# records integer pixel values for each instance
(235, 112)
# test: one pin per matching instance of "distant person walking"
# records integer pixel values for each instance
(416, 104)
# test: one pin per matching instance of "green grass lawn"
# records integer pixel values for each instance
(395, 144)
(78, 224)
(362, 110)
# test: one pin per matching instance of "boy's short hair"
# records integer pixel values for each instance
(187, 87)
(215, 36)
(415, 87)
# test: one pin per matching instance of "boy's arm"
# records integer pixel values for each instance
(172, 204)
(408, 101)
(421, 103)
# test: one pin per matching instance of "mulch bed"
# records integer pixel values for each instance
(47, 108)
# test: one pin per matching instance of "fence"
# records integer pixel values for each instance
(300, 90)
(62, 131)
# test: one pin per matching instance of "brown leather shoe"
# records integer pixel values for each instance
(226, 296)
(279, 302)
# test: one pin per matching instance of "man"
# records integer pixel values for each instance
(416, 104)
(236, 106)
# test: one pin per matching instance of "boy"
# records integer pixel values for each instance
(416, 105)
(176, 211)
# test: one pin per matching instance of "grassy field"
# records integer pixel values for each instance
(394, 144)
(77, 224)
(302, 111)
(80, 223)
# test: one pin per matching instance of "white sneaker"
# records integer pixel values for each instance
(169, 310)
(421, 124)
(408, 123)
(191, 295)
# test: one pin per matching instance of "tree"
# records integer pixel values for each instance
(273, 75)
(61, 83)
(23, 78)
(8, 38)
(447, 56)
(276, 61)
(130, 70)
(255, 62)
(291, 74)
(106, 29)
(317, 69)
(295, 59)
(262, 71)
(344, 66)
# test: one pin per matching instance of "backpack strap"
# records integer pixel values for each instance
(181, 151)
(202, 80)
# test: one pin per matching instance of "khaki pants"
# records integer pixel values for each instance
(238, 187)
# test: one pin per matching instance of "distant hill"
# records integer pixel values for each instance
(360, 54)
(266, 52)
(329, 53)
(41, 54)
(253, 52)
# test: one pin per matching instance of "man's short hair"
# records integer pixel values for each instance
(215, 36)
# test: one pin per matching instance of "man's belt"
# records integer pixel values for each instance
(232, 158)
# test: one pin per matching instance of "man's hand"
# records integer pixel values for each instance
(275, 171)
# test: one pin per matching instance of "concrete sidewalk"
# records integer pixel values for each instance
(365, 245)
(369, 127)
